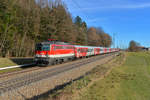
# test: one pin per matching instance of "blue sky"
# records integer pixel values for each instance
(127, 19)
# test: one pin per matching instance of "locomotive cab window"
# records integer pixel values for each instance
(38, 47)
(46, 48)
(41, 47)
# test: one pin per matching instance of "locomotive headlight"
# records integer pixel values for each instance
(35, 59)
(36, 56)
(42, 53)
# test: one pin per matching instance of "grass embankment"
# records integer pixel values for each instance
(130, 81)
(5, 62)
(73, 89)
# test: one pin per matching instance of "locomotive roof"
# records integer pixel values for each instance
(54, 42)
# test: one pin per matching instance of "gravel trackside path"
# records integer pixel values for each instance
(29, 86)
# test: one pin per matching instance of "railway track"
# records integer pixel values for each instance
(27, 79)
(3, 75)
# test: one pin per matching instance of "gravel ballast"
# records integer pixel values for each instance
(34, 90)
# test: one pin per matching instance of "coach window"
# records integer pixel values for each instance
(89, 50)
(84, 50)
(55, 47)
(66, 47)
(69, 47)
(78, 50)
(81, 49)
(61, 47)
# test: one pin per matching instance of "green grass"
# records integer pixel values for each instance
(5, 62)
(130, 81)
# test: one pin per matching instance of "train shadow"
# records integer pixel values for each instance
(23, 61)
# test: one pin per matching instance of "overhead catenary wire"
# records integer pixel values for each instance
(80, 8)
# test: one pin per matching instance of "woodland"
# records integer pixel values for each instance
(23, 23)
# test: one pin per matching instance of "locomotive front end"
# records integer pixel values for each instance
(42, 51)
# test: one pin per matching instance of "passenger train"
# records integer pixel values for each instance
(52, 52)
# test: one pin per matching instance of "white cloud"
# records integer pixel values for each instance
(132, 6)
(97, 20)
(101, 7)
(146, 5)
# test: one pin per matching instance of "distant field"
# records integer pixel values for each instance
(130, 81)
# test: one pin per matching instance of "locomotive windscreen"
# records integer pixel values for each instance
(42, 47)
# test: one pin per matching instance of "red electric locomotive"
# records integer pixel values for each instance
(51, 52)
